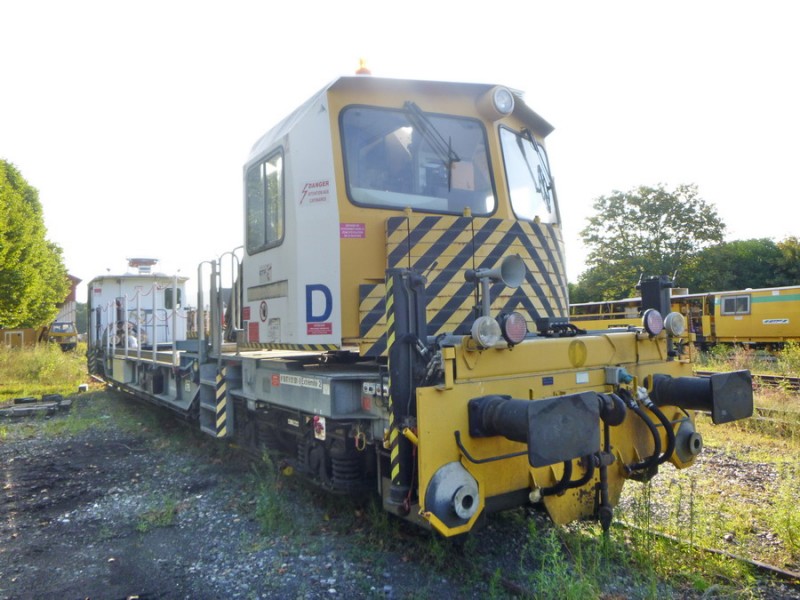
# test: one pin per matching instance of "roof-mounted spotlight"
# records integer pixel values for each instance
(497, 103)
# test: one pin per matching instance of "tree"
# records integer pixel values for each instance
(33, 278)
(646, 231)
(735, 265)
(789, 265)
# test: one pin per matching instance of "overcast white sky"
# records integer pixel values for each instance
(133, 120)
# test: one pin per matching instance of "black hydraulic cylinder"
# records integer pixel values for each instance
(405, 321)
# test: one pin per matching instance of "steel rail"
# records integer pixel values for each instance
(792, 577)
(790, 383)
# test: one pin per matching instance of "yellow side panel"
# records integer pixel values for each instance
(774, 316)
(555, 355)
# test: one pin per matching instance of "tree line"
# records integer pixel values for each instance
(33, 278)
(650, 231)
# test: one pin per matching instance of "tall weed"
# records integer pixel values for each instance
(788, 360)
(786, 517)
(556, 577)
(43, 369)
(274, 511)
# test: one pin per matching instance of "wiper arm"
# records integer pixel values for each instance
(541, 179)
(443, 148)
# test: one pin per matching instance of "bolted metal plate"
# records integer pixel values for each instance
(563, 428)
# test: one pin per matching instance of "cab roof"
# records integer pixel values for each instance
(368, 83)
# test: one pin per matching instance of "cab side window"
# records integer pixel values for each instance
(264, 191)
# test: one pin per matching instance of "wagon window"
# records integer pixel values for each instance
(736, 305)
(264, 203)
(168, 298)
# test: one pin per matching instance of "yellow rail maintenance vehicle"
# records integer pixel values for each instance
(763, 318)
(756, 318)
(397, 319)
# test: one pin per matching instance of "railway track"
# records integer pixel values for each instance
(786, 421)
(518, 589)
(791, 384)
(790, 577)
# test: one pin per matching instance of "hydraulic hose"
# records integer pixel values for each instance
(667, 428)
(651, 460)
(566, 482)
(586, 476)
(605, 512)
(563, 483)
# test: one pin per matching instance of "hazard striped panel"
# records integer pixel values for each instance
(221, 404)
(394, 437)
(444, 247)
(372, 319)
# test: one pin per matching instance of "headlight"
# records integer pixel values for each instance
(496, 103)
(675, 324)
(652, 321)
(486, 332)
(503, 100)
(513, 326)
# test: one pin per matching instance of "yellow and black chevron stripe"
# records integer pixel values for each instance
(394, 431)
(221, 404)
(444, 247)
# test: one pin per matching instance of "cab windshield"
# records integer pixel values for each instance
(408, 158)
(528, 172)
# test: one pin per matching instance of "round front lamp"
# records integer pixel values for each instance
(513, 326)
(675, 324)
(486, 332)
(652, 321)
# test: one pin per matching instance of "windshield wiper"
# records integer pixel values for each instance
(443, 148)
(541, 179)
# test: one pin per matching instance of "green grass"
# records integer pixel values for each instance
(273, 511)
(720, 508)
(40, 370)
(162, 515)
(734, 358)
(557, 569)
